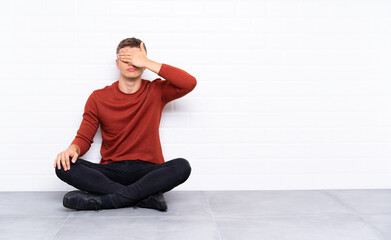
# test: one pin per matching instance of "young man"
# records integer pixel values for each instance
(132, 170)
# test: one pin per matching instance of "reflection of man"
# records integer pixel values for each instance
(132, 170)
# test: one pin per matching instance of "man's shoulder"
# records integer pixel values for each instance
(107, 87)
(158, 81)
(101, 92)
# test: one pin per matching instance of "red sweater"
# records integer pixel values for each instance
(130, 122)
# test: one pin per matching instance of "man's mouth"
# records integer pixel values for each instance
(131, 69)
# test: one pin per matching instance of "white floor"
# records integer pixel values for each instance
(203, 215)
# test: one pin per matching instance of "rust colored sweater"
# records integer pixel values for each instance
(130, 122)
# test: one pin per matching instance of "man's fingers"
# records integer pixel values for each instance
(74, 158)
(126, 56)
(125, 53)
(63, 161)
(67, 160)
(124, 59)
(58, 161)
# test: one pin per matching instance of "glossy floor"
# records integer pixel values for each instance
(203, 215)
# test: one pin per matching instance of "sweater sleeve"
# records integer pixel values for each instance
(178, 82)
(88, 126)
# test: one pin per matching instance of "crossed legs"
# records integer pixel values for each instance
(126, 182)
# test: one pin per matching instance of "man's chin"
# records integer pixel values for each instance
(131, 76)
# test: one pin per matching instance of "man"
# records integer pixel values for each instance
(132, 170)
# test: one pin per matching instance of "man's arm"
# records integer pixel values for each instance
(178, 83)
(179, 78)
(84, 138)
(88, 127)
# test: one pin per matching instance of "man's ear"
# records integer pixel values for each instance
(116, 63)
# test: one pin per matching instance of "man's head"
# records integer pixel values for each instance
(130, 42)
(124, 66)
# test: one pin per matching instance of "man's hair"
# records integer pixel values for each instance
(130, 42)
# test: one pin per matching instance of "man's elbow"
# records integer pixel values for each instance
(193, 83)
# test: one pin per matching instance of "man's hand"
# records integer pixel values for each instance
(134, 55)
(63, 158)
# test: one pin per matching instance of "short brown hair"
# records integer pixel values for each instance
(130, 42)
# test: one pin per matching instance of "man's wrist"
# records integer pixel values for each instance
(75, 148)
(153, 66)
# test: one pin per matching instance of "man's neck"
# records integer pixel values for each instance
(129, 85)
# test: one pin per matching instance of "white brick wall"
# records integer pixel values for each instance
(291, 94)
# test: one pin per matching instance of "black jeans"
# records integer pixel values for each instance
(127, 182)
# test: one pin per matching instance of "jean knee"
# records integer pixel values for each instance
(184, 168)
(61, 172)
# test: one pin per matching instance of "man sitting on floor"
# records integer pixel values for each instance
(132, 170)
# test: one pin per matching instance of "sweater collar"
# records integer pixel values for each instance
(118, 92)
